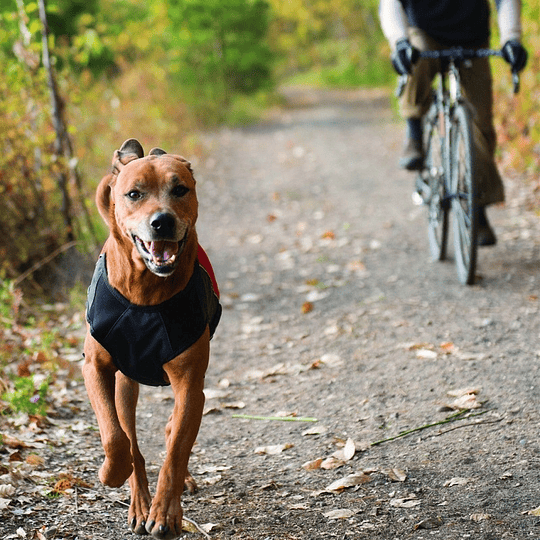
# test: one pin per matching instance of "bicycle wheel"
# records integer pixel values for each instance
(434, 179)
(463, 195)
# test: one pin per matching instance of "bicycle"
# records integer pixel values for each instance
(446, 182)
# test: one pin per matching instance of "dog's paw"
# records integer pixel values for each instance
(139, 510)
(163, 532)
(138, 527)
(165, 519)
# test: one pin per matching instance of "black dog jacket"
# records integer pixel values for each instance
(141, 339)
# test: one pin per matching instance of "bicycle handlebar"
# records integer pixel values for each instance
(457, 54)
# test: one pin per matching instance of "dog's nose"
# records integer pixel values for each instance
(163, 224)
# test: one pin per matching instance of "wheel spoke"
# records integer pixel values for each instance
(434, 177)
(464, 198)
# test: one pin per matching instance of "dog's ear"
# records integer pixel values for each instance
(130, 150)
(156, 152)
(184, 161)
(103, 198)
(131, 146)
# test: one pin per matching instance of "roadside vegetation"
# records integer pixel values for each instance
(159, 71)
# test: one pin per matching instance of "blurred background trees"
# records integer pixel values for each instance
(161, 70)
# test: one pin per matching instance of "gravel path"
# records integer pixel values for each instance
(334, 312)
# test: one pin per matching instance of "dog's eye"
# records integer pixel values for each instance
(134, 195)
(179, 191)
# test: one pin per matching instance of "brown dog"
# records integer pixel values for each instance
(152, 309)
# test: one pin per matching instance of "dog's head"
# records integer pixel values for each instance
(151, 203)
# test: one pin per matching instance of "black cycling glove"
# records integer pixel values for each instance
(515, 54)
(404, 56)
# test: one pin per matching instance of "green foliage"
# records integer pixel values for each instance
(218, 50)
(27, 397)
(29, 200)
(336, 43)
(10, 302)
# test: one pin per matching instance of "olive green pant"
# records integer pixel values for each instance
(476, 85)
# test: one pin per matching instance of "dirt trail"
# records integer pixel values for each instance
(333, 311)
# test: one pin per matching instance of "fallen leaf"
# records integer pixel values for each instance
(307, 307)
(460, 392)
(235, 405)
(534, 512)
(311, 465)
(429, 523)
(35, 460)
(332, 463)
(6, 490)
(68, 481)
(347, 452)
(341, 513)
(456, 482)
(396, 475)
(426, 354)
(406, 502)
(315, 430)
(273, 450)
(465, 402)
(480, 517)
(351, 480)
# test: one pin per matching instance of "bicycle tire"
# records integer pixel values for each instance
(434, 175)
(463, 195)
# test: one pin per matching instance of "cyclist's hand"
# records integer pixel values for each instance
(515, 54)
(404, 56)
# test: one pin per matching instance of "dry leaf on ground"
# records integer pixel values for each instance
(340, 513)
(429, 523)
(534, 512)
(347, 452)
(405, 502)
(351, 480)
(480, 517)
(396, 475)
(332, 463)
(273, 450)
(456, 482)
(312, 465)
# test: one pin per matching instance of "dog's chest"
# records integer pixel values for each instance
(140, 339)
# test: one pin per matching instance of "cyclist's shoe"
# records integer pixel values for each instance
(412, 157)
(485, 234)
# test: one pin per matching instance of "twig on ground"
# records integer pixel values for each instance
(276, 418)
(469, 424)
(197, 526)
(460, 415)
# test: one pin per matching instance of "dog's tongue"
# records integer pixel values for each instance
(163, 251)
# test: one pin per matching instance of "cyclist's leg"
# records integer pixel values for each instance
(477, 87)
(416, 99)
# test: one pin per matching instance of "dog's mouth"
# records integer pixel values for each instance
(160, 256)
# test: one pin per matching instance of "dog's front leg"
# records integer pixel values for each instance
(127, 395)
(99, 378)
(186, 374)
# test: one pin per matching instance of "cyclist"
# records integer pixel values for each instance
(413, 25)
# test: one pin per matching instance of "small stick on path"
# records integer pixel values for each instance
(276, 418)
(460, 415)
